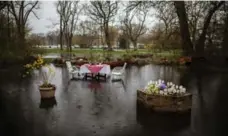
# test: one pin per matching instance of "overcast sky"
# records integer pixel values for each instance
(47, 14)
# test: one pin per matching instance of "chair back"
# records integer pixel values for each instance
(69, 66)
(124, 67)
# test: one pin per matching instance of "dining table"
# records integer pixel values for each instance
(95, 70)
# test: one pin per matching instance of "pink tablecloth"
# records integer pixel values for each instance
(94, 68)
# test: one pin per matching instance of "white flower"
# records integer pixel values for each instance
(181, 87)
(174, 91)
(184, 90)
(165, 90)
(165, 93)
(176, 86)
(161, 92)
(178, 91)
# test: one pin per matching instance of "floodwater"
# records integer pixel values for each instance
(83, 108)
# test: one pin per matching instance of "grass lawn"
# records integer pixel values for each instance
(116, 52)
(87, 51)
(169, 54)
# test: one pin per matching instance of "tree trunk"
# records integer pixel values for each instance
(200, 44)
(21, 38)
(107, 37)
(135, 45)
(184, 29)
(61, 34)
(225, 39)
(70, 42)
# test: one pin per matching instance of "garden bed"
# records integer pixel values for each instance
(184, 61)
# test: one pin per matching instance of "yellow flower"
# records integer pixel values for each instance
(27, 65)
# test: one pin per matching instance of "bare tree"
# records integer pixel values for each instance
(69, 12)
(3, 4)
(103, 12)
(134, 29)
(165, 12)
(73, 21)
(89, 31)
(225, 33)
(184, 27)
(21, 11)
(63, 11)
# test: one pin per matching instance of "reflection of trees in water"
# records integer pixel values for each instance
(205, 104)
(97, 106)
(169, 73)
(65, 77)
(220, 106)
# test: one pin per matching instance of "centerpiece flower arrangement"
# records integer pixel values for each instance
(161, 88)
(47, 90)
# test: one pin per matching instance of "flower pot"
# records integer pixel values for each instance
(168, 103)
(47, 92)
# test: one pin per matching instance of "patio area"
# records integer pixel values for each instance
(82, 108)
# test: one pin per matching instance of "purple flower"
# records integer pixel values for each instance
(162, 86)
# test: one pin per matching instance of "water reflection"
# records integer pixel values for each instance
(47, 103)
(109, 108)
(156, 122)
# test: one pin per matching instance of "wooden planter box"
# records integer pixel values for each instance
(167, 103)
(47, 92)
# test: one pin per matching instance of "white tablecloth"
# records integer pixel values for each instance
(105, 70)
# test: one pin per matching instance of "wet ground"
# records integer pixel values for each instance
(83, 108)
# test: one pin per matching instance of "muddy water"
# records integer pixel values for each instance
(83, 108)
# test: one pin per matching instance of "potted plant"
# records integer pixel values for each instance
(47, 90)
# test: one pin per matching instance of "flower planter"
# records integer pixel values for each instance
(168, 103)
(47, 92)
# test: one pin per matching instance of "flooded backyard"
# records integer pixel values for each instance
(92, 108)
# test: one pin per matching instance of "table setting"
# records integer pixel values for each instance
(95, 71)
